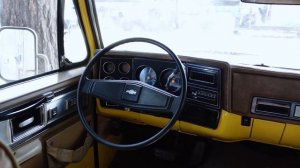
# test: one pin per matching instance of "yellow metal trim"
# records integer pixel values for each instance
(130, 116)
(157, 121)
(135, 117)
(267, 131)
(87, 26)
(291, 136)
(228, 130)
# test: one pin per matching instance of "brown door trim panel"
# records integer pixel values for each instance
(16, 94)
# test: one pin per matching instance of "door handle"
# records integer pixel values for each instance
(23, 109)
(26, 122)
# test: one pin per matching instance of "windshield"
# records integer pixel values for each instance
(227, 30)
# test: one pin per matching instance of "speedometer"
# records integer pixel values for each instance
(148, 75)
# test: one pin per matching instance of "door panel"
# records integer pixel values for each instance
(35, 114)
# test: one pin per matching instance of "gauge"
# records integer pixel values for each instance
(170, 80)
(148, 76)
(109, 67)
(124, 68)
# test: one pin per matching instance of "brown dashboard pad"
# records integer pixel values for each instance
(246, 85)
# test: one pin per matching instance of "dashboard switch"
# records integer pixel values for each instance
(70, 103)
(52, 113)
(246, 121)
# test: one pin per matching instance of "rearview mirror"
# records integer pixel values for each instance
(18, 53)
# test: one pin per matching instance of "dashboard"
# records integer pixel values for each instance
(225, 102)
(204, 84)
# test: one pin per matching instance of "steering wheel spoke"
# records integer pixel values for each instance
(109, 90)
(131, 93)
(175, 104)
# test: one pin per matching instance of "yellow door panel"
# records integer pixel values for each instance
(291, 136)
(267, 131)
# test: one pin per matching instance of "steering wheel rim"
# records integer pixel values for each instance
(160, 133)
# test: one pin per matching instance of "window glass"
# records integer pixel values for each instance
(226, 30)
(29, 38)
(29, 45)
(75, 47)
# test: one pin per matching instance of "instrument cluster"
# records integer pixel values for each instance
(161, 74)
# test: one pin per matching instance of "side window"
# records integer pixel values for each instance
(75, 46)
(29, 38)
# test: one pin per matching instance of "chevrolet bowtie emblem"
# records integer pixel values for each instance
(131, 92)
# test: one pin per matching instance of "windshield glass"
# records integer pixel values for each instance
(227, 30)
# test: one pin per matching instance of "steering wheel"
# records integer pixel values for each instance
(132, 93)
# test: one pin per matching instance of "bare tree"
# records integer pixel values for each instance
(39, 15)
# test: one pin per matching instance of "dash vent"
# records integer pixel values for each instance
(271, 107)
(202, 77)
